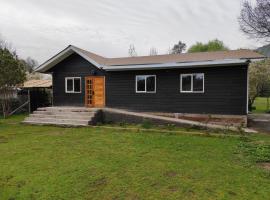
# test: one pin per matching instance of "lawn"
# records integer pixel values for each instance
(261, 105)
(43, 162)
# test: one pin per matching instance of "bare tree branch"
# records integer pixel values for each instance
(255, 21)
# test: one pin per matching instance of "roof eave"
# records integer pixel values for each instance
(183, 65)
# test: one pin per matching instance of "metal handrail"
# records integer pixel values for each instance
(20, 107)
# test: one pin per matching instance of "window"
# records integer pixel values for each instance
(73, 85)
(198, 84)
(186, 80)
(192, 83)
(146, 84)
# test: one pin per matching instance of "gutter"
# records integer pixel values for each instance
(183, 65)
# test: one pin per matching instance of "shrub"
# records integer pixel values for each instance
(123, 124)
(170, 126)
(147, 124)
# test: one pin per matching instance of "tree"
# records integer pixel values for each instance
(35, 76)
(178, 48)
(153, 51)
(30, 64)
(259, 80)
(212, 45)
(132, 51)
(255, 20)
(12, 73)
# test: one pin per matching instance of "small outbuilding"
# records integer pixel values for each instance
(39, 93)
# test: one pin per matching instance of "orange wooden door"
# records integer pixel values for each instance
(89, 92)
(95, 91)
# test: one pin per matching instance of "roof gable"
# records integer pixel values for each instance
(92, 58)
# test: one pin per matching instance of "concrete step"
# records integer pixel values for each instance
(259, 116)
(64, 113)
(68, 109)
(261, 120)
(62, 116)
(54, 123)
(54, 120)
(261, 125)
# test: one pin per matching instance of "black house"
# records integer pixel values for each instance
(199, 83)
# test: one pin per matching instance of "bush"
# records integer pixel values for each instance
(170, 127)
(147, 124)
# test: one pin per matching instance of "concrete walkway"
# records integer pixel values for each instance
(259, 122)
(130, 116)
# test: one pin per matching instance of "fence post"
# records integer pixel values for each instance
(29, 102)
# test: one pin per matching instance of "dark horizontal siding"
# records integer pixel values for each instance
(225, 91)
(73, 66)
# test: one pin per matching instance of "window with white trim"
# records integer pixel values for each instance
(192, 83)
(73, 84)
(146, 84)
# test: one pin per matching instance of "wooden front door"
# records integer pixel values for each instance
(95, 91)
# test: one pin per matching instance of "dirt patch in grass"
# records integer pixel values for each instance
(265, 165)
(170, 174)
(172, 188)
(232, 193)
(3, 139)
(99, 182)
(58, 132)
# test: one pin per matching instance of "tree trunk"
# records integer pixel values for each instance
(250, 103)
(4, 108)
(5, 103)
(267, 104)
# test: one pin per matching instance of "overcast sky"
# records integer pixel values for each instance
(41, 28)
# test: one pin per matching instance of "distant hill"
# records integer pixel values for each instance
(265, 50)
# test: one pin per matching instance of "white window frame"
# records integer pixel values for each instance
(72, 78)
(145, 86)
(191, 91)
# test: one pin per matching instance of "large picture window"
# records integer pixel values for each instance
(73, 84)
(145, 84)
(192, 83)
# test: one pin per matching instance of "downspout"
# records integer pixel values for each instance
(248, 86)
(52, 90)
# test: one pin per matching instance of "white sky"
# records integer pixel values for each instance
(41, 28)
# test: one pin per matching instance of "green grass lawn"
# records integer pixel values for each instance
(43, 162)
(261, 105)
